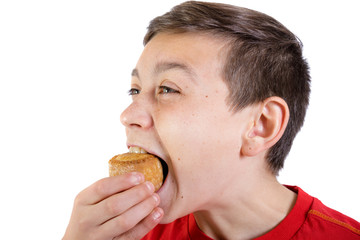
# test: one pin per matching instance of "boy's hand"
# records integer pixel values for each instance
(121, 207)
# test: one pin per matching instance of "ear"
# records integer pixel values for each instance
(268, 125)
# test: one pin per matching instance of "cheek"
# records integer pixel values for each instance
(198, 138)
(178, 130)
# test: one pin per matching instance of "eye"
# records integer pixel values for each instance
(166, 90)
(133, 91)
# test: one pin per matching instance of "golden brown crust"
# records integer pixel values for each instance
(147, 164)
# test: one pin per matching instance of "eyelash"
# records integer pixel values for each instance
(133, 91)
(167, 90)
(162, 90)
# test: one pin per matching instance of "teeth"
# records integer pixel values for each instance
(136, 150)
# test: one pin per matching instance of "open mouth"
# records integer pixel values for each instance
(165, 168)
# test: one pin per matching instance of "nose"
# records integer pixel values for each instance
(136, 115)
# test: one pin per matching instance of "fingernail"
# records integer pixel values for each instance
(156, 197)
(150, 186)
(157, 213)
(136, 178)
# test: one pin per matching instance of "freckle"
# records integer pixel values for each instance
(206, 96)
(179, 159)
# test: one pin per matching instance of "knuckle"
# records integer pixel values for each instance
(78, 199)
(123, 224)
(112, 207)
(143, 191)
(83, 225)
(100, 188)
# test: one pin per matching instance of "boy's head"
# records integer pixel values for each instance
(208, 99)
(262, 59)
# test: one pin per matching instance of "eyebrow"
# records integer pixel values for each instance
(166, 66)
(135, 73)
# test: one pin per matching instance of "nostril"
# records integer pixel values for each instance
(135, 125)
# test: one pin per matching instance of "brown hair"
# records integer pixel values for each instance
(264, 59)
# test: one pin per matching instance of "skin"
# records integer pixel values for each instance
(179, 113)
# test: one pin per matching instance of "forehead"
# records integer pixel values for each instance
(190, 52)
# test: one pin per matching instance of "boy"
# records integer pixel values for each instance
(219, 93)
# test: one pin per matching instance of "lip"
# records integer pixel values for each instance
(164, 185)
(147, 150)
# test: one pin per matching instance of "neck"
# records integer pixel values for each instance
(247, 213)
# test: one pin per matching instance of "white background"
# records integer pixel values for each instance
(64, 74)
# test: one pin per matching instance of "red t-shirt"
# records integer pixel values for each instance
(309, 219)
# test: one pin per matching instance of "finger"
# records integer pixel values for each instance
(121, 202)
(130, 218)
(107, 187)
(145, 226)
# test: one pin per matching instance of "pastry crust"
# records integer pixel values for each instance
(147, 164)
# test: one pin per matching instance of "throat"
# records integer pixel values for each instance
(249, 218)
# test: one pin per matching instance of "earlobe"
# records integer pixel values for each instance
(267, 127)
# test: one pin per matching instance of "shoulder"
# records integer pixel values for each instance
(311, 219)
(323, 222)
